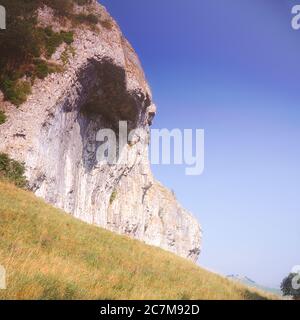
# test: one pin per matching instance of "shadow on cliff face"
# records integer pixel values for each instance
(107, 95)
(103, 101)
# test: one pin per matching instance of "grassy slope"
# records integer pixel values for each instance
(50, 255)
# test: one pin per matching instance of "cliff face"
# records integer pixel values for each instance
(54, 134)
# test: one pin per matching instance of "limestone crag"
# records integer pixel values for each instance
(54, 134)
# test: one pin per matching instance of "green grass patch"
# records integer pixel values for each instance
(52, 40)
(51, 255)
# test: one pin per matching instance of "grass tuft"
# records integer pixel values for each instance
(113, 196)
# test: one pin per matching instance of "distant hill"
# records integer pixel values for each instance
(249, 282)
(50, 255)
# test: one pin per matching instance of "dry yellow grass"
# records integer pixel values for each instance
(50, 255)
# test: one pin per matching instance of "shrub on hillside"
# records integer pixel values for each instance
(41, 69)
(67, 37)
(107, 24)
(89, 19)
(16, 91)
(12, 170)
(52, 40)
(60, 7)
(290, 286)
(83, 2)
(2, 117)
(44, 68)
(22, 42)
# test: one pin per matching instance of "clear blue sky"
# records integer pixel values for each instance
(232, 68)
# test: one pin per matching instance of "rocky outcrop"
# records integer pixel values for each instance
(54, 133)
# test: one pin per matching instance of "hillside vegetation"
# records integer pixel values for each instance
(26, 48)
(50, 255)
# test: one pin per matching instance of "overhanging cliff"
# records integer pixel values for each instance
(54, 133)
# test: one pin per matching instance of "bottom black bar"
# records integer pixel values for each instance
(149, 309)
